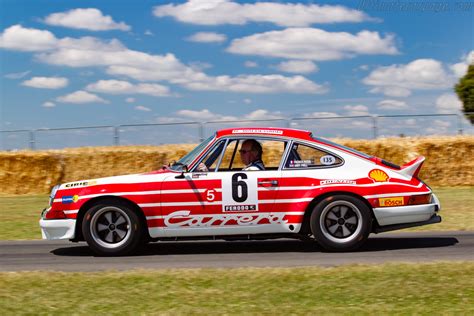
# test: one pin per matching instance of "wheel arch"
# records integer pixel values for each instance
(305, 227)
(110, 199)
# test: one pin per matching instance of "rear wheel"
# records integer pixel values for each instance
(112, 229)
(341, 223)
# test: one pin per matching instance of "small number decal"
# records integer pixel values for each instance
(210, 195)
(239, 187)
(327, 160)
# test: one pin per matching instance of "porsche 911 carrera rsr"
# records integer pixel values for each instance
(310, 188)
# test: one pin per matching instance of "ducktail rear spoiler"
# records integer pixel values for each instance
(412, 168)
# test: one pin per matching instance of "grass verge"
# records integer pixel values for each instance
(19, 215)
(434, 288)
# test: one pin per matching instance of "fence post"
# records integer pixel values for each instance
(460, 130)
(374, 118)
(201, 132)
(116, 135)
(32, 140)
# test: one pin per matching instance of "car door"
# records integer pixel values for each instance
(225, 200)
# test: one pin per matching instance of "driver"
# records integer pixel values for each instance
(250, 154)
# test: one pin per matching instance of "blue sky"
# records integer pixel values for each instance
(83, 63)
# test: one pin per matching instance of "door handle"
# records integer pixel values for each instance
(273, 183)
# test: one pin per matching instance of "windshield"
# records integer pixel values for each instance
(352, 150)
(186, 160)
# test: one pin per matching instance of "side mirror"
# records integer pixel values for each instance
(183, 170)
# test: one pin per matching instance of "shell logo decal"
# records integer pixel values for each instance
(378, 175)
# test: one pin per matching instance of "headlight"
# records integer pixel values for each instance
(53, 194)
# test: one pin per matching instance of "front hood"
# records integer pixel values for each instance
(156, 176)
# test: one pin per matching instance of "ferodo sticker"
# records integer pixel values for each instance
(393, 201)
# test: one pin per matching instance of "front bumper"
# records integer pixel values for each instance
(58, 228)
(407, 214)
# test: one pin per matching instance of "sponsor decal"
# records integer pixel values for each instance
(327, 160)
(257, 131)
(184, 219)
(80, 184)
(393, 201)
(336, 181)
(234, 208)
(378, 175)
(300, 163)
(70, 199)
(200, 174)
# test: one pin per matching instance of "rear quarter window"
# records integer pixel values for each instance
(303, 156)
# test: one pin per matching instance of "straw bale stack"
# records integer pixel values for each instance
(449, 161)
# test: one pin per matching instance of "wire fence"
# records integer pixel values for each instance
(363, 126)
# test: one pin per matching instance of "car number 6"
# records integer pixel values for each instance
(238, 183)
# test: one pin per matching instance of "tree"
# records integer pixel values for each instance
(465, 92)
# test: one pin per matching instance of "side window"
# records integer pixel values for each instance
(212, 158)
(272, 153)
(302, 156)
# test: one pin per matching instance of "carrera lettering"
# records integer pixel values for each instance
(396, 201)
(183, 219)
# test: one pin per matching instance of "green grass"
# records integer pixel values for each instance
(436, 288)
(19, 215)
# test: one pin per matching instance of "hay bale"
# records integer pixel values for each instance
(448, 161)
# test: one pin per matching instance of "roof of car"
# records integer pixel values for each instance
(266, 131)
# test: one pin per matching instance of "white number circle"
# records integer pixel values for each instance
(327, 160)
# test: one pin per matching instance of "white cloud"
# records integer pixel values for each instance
(448, 103)
(392, 105)
(313, 44)
(17, 37)
(263, 115)
(356, 110)
(400, 80)
(321, 114)
(49, 104)
(250, 64)
(142, 108)
(89, 19)
(17, 75)
(125, 87)
(390, 91)
(118, 60)
(80, 97)
(204, 115)
(297, 66)
(283, 14)
(460, 69)
(46, 82)
(149, 33)
(129, 100)
(207, 37)
(258, 84)
(439, 127)
(247, 101)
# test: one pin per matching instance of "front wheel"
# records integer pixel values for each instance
(112, 229)
(341, 223)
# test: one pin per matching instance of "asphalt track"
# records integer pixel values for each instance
(390, 247)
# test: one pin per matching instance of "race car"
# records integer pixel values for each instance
(309, 188)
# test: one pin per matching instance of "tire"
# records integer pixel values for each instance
(341, 223)
(112, 229)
